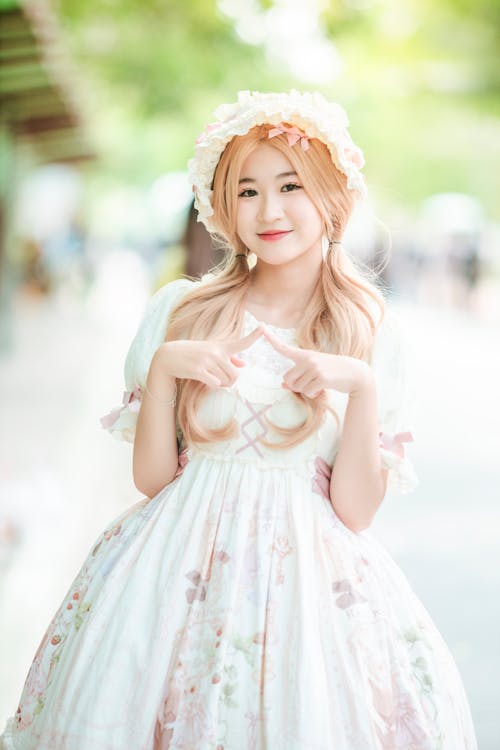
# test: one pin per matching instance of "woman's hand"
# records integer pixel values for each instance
(313, 371)
(212, 362)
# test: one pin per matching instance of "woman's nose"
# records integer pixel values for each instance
(270, 208)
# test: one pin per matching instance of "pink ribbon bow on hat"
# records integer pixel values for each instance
(394, 442)
(293, 135)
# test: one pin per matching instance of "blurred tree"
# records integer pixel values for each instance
(154, 70)
(420, 80)
(156, 53)
(453, 44)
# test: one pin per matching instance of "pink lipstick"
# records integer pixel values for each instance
(273, 236)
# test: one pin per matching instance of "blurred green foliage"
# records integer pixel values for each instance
(420, 81)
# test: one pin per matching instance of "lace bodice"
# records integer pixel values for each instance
(261, 378)
(257, 400)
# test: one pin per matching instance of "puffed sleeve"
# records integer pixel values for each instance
(390, 362)
(121, 420)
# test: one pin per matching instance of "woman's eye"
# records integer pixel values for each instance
(250, 191)
(243, 194)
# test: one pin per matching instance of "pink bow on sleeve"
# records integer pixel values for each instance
(182, 461)
(293, 135)
(394, 442)
(321, 478)
(131, 400)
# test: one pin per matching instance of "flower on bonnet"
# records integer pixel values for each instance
(351, 152)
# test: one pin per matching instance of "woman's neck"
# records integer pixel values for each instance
(280, 294)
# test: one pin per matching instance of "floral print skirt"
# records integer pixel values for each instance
(235, 611)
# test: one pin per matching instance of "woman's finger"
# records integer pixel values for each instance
(314, 393)
(292, 376)
(211, 380)
(223, 372)
(292, 352)
(301, 383)
(236, 361)
(313, 388)
(233, 347)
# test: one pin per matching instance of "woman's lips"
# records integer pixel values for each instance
(273, 236)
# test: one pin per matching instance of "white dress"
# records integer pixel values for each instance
(234, 610)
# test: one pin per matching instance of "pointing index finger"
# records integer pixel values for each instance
(280, 346)
(240, 344)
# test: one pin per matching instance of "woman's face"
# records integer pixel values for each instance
(271, 199)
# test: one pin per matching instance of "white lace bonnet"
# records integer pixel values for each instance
(309, 111)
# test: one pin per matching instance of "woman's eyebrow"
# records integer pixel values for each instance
(278, 177)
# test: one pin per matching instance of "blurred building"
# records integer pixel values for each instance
(41, 122)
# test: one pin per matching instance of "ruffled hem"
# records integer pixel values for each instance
(7, 738)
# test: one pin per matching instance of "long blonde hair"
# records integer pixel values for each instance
(338, 319)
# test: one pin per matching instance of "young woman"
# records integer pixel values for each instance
(244, 603)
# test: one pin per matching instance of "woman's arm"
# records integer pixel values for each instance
(155, 457)
(214, 363)
(359, 482)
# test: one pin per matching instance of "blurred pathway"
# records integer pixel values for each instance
(63, 478)
(445, 535)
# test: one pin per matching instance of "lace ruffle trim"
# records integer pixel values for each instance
(121, 421)
(402, 477)
(306, 466)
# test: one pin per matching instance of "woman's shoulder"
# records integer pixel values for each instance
(152, 326)
(169, 293)
(388, 334)
(393, 356)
